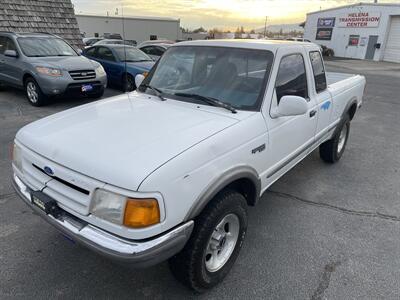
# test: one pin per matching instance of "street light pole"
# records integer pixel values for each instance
(265, 27)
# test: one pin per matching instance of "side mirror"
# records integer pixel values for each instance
(291, 106)
(11, 53)
(139, 79)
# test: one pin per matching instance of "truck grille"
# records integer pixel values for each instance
(82, 74)
(72, 191)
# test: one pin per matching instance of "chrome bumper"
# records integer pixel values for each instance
(137, 253)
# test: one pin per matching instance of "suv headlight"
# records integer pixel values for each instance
(17, 157)
(100, 71)
(122, 210)
(49, 71)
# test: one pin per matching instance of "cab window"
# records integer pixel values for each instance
(291, 79)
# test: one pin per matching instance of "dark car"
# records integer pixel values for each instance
(121, 63)
(155, 51)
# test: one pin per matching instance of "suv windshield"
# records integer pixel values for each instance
(131, 54)
(233, 76)
(45, 46)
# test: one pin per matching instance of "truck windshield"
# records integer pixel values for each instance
(43, 46)
(233, 76)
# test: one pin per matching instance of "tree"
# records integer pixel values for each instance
(200, 29)
(252, 31)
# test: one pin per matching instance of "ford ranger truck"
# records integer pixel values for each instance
(167, 172)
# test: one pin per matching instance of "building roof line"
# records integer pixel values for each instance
(354, 5)
(130, 17)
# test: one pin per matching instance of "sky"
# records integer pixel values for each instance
(222, 14)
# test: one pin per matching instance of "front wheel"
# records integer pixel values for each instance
(129, 83)
(34, 93)
(331, 151)
(215, 243)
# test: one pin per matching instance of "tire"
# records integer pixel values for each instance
(34, 93)
(331, 151)
(195, 266)
(129, 83)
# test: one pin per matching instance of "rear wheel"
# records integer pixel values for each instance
(331, 151)
(34, 93)
(215, 243)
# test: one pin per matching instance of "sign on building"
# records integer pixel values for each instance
(326, 22)
(360, 20)
(324, 34)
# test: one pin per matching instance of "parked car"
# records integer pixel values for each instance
(121, 63)
(154, 42)
(327, 51)
(46, 65)
(168, 172)
(113, 42)
(298, 40)
(155, 51)
(91, 40)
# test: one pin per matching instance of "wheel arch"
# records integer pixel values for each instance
(243, 179)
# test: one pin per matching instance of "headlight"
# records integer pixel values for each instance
(122, 210)
(49, 71)
(100, 70)
(17, 157)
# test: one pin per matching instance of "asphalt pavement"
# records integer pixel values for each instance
(321, 232)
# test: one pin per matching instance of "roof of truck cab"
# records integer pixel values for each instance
(271, 45)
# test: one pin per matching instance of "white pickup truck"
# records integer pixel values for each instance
(168, 171)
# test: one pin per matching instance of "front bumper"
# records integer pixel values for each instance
(54, 86)
(136, 253)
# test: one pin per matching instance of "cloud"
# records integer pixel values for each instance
(214, 13)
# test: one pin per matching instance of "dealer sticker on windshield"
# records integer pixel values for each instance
(87, 88)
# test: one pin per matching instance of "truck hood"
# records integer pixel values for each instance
(66, 63)
(121, 140)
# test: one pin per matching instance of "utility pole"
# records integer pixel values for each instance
(265, 27)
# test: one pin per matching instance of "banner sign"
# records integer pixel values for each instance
(360, 20)
(326, 22)
(324, 34)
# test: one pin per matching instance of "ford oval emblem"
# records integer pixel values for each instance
(48, 171)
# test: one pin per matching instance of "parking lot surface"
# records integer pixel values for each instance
(322, 231)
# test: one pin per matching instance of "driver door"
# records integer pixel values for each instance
(290, 137)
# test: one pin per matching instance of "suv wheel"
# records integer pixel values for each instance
(215, 243)
(34, 93)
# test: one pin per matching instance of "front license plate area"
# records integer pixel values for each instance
(45, 203)
(87, 88)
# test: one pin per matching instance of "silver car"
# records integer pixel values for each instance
(45, 66)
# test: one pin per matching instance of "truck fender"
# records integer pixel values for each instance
(349, 111)
(246, 173)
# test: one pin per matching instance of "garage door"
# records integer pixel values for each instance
(392, 50)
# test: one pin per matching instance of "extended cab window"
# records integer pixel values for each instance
(291, 79)
(319, 71)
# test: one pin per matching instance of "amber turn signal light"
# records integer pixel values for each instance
(141, 213)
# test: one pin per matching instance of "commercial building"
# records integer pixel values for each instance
(362, 31)
(138, 29)
(52, 16)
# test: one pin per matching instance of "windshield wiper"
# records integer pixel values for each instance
(158, 92)
(209, 100)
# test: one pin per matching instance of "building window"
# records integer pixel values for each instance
(96, 34)
(353, 40)
(153, 37)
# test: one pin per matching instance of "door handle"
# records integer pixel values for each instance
(313, 113)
